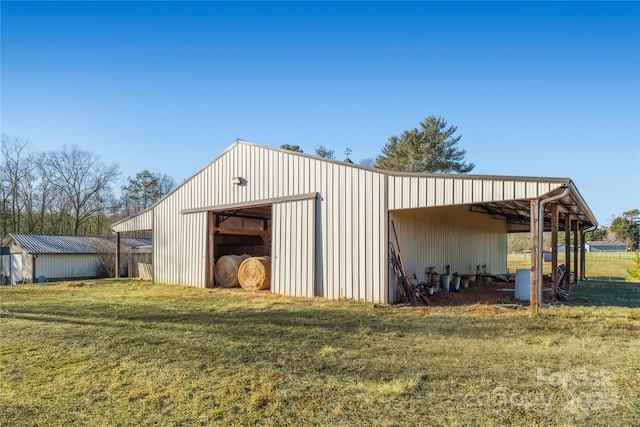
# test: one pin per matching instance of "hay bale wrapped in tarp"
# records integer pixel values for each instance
(227, 270)
(255, 273)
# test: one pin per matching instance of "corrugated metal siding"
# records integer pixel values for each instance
(349, 247)
(436, 237)
(167, 258)
(293, 246)
(66, 266)
(141, 221)
(408, 192)
(194, 249)
(353, 233)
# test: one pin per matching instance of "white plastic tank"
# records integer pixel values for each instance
(523, 284)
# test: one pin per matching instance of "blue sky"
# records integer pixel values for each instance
(536, 89)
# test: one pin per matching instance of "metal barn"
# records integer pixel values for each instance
(327, 224)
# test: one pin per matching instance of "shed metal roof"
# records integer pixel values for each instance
(56, 244)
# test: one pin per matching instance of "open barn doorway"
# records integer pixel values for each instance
(238, 231)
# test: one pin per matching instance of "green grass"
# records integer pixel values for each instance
(130, 353)
(599, 265)
(616, 294)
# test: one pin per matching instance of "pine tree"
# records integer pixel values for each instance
(323, 151)
(430, 148)
(144, 190)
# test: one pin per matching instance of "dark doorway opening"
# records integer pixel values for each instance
(238, 231)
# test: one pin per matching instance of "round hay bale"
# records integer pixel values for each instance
(255, 273)
(227, 270)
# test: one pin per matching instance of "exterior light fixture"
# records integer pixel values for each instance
(238, 180)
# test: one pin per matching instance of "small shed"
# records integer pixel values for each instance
(28, 258)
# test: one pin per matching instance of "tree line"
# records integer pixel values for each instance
(71, 191)
(68, 191)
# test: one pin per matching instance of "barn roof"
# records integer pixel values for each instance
(59, 244)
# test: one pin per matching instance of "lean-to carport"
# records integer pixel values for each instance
(522, 204)
(560, 210)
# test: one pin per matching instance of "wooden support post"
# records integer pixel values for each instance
(567, 253)
(554, 250)
(535, 257)
(130, 264)
(117, 255)
(576, 259)
(583, 252)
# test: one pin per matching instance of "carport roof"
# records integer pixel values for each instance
(518, 211)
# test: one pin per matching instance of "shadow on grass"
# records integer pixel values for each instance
(294, 337)
(599, 293)
(294, 323)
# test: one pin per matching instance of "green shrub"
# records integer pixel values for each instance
(634, 271)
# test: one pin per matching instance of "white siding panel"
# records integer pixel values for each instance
(359, 271)
(166, 245)
(293, 248)
(400, 196)
(194, 249)
(431, 192)
(498, 190)
(440, 195)
(414, 199)
(467, 190)
(531, 190)
(509, 190)
(66, 266)
(487, 191)
(458, 195)
(448, 190)
(520, 190)
(422, 201)
(377, 233)
(141, 221)
(350, 233)
(359, 265)
(477, 191)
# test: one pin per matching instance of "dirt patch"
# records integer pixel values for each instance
(487, 292)
(478, 292)
(70, 284)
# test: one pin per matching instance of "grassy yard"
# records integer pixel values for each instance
(599, 265)
(106, 353)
